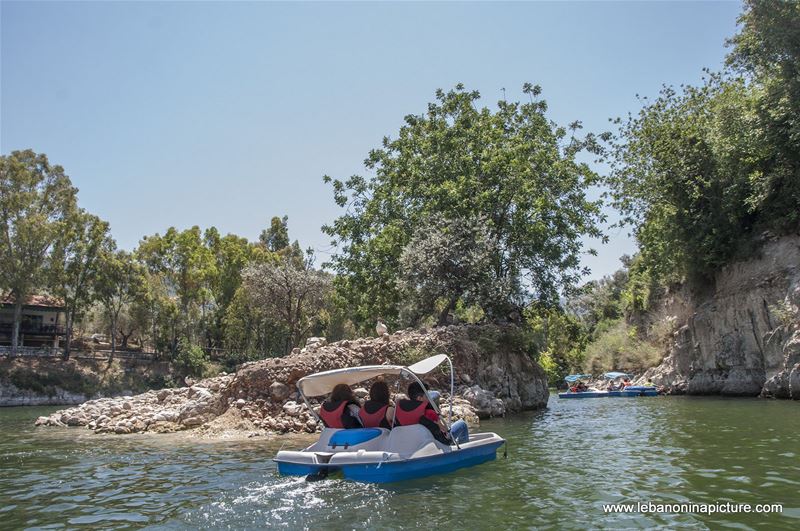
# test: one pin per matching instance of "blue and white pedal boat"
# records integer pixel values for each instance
(629, 392)
(377, 455)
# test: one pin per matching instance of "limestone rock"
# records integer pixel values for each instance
(741, 336)
(279, 391)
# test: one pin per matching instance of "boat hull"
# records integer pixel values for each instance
(412, 453)
(421, 467)
(627, 393)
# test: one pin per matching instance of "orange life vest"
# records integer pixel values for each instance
(332, 419)
(376, 419)
(405, 417)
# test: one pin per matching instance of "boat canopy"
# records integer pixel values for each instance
(323, 383)
(615, 375)
(575, 377)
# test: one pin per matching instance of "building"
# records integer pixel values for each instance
(42, 322)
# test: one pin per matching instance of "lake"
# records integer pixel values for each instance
(563, 464)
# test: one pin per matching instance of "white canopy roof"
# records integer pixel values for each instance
(323, 383)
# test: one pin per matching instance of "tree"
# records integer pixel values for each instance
(187, 268)
(231, 255)
(119, 282)
(767, 50)
(447, 260)
(289, 295)
(35, 201)
(702, 172)
(276, 238)
(513, 167)
(75, 262)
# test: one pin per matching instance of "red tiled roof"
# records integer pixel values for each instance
(43, 301)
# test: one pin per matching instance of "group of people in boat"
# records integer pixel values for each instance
(613, 386)
(581, 387)
(342, 410)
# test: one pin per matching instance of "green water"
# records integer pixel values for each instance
(563, 464)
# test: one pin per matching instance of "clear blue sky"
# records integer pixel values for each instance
(226, 114)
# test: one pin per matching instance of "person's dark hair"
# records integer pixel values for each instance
(342, 393)
(415, 390)
(379, 392)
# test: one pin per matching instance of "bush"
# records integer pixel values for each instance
(620, 348)
(191, 359)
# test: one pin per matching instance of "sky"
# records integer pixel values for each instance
(226, 114)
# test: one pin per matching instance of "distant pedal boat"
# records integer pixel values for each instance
(628, 392)
(378, 455)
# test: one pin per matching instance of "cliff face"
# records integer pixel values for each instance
(493, 377)
(742, 337)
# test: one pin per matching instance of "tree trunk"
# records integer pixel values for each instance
(68, 334)
(16, 325)
(446, 312)
(125, 337)
(113, 334)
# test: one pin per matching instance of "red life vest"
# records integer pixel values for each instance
(332, 419)
(376, 419)
(407, 418)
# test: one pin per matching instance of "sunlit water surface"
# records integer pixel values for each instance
(563, 464)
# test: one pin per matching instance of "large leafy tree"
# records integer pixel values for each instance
(290, 295)
(767, 50)
(36, 200)
(187, 268)
(120, 281)
(76, 263)
(511, 166)
(447, 261)
(701, 172)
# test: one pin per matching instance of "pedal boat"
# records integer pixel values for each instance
(378, 455)
(629, 392)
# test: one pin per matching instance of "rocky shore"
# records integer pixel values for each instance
(494, 376)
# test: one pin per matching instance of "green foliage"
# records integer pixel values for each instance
(191, 359)
(702, 171)
(448, 261)
(36, 202)
(291, 295)
(619, 347)
(767, 50)
(276, 238)
(512, 167)
(76, 261)
(559, 339)
(119, 281)
(45, 383)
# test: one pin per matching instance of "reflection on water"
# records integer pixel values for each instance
(563, 464)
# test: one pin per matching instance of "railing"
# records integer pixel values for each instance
(28, 328)
(120, 355)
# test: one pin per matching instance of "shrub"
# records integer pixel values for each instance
(191, 359)
(620, 348)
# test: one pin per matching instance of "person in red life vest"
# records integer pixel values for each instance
(341, 409)
(626, 382)
(418, 410)
(377, 411)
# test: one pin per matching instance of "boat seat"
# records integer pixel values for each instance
(352, 437)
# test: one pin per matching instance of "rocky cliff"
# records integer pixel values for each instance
(741, 337)
(493, 375)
